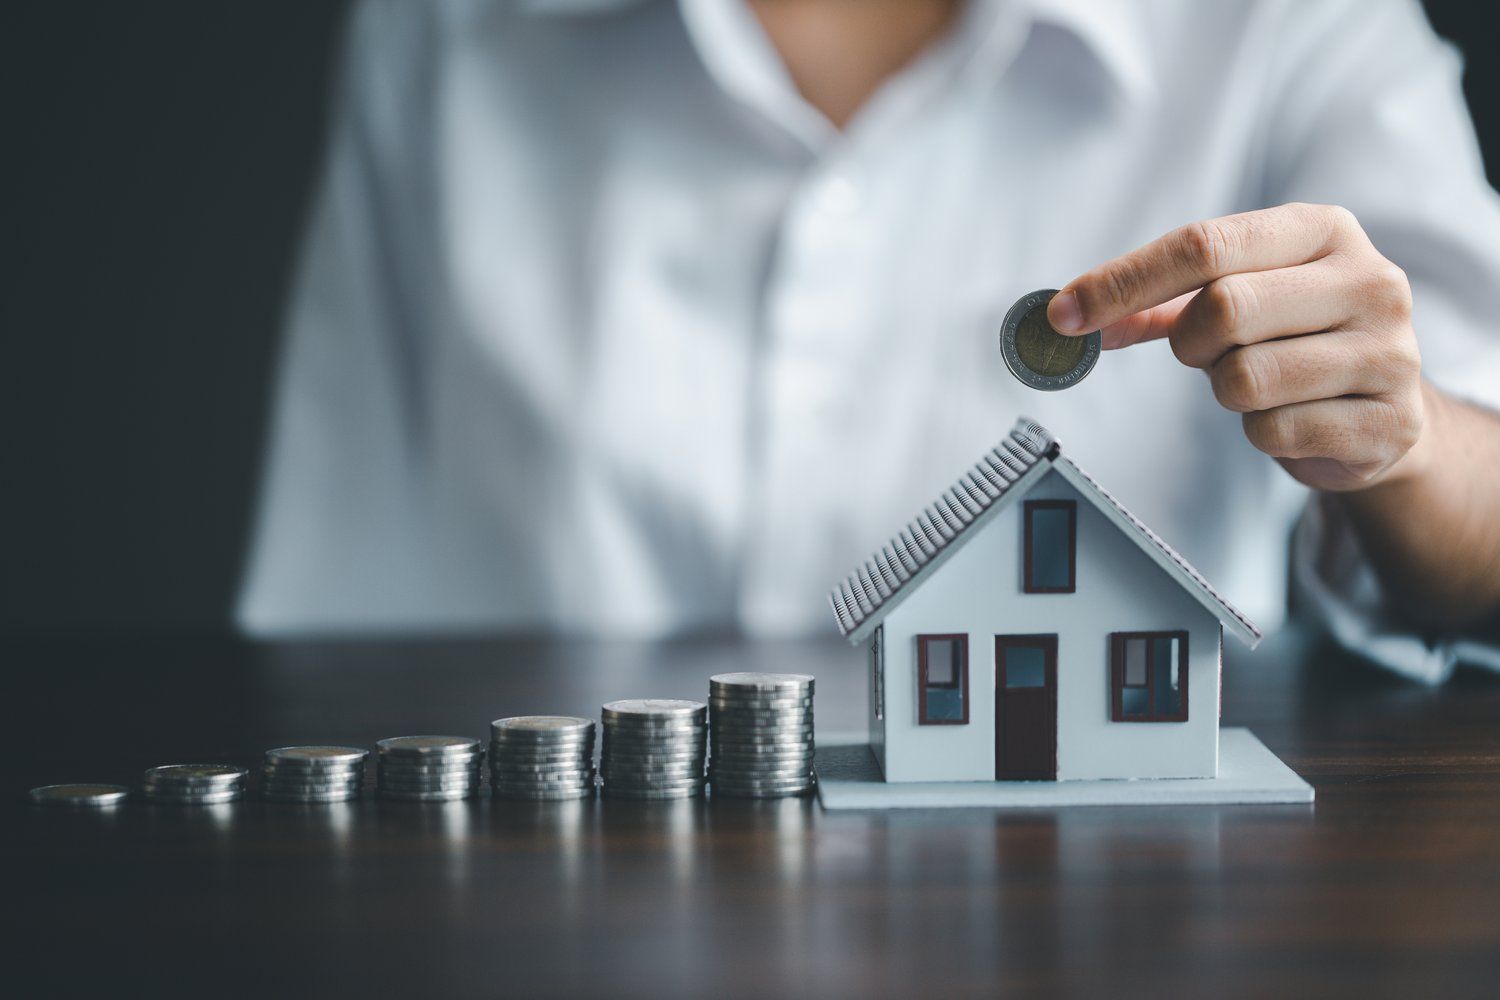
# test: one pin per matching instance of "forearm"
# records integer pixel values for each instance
(1431, 527)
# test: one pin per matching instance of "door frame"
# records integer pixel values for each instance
(1048, 642)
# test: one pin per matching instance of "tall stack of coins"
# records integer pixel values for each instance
(429, 768)
(542, 757)
(195, 784)
(654, 748)
(762, 727)
(313, 773)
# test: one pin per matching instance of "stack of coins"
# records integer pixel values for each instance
(429, 768)
(313, 774)
(542, 757)
(80, 796)
(762, 726)
(654, 748)
(195, 784)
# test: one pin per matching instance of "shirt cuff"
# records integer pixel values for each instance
(1332, 581)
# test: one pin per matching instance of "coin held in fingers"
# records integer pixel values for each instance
(1037, 354)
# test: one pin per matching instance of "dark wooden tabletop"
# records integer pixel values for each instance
(1388, 886)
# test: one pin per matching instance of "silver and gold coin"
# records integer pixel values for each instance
(82, 795)
(1037, 354)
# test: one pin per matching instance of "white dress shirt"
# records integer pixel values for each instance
(601, 327)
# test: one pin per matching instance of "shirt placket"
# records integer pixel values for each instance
(818, 310)
(821, 302)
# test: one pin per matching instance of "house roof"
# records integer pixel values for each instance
(1003, 474)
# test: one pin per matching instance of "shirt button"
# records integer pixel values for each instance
(839, 196)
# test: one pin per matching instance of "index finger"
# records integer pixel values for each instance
(1189, 258)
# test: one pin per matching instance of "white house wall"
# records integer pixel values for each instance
(978, 592)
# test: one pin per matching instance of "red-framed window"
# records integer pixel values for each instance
(943, 679)
(1149, 676)
(1051, 546)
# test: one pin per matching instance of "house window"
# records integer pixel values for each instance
(1051, 546)
(943, 680)
(1149, 676)
(877, 672)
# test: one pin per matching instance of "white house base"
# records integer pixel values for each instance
(849, 778)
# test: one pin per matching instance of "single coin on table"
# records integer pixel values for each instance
(82, 795)
(1037, 354)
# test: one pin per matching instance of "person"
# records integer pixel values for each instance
(638, 317)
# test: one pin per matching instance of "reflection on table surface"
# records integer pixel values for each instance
(1389, 883)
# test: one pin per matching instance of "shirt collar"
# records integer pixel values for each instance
(1113, 31)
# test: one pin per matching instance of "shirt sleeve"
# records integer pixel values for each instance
(1369, 114)
(334, 523)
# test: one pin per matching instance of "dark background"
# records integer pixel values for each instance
(157, 163)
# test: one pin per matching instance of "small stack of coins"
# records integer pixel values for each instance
(654, 748)
(313, 774)
(80, 796)
(429, 768)
(542, 757)
(762, 727)
(195, 784)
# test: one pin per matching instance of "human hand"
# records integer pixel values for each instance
(1302, 326)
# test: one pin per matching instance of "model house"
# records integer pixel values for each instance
(1026, 626)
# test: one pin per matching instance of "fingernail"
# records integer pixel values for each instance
(1064, 314)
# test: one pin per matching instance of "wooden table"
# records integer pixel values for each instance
(1389, 885)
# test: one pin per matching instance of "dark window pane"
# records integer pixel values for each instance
(943, 678)
(1025, 667)
(945, 704)
(1164, 654)
(1149, 679)
(1134, 701)
(1050, 530)
(1135, 662)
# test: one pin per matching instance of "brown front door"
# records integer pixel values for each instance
(1026, 707)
